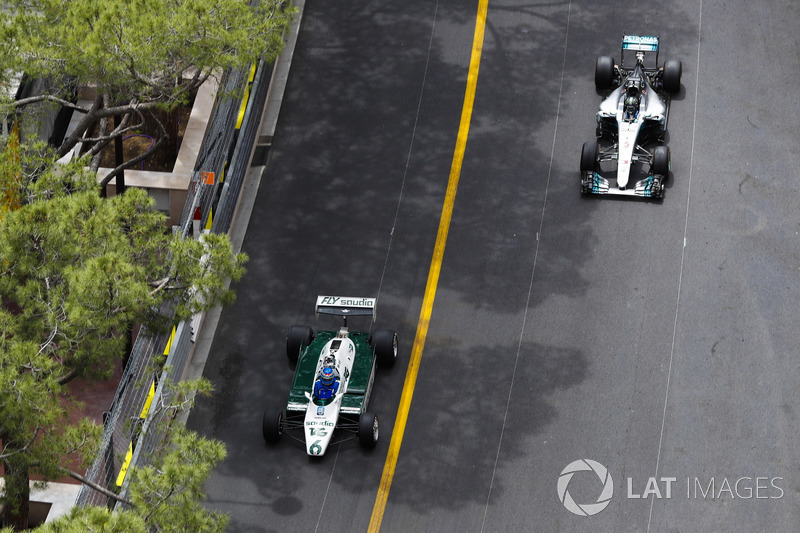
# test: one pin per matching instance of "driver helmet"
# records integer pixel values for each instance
(327, 376)
(631, 103)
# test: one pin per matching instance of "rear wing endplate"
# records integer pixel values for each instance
(640, 43)
(345, 306)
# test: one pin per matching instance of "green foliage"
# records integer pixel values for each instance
(76, 272)
(168, 494)
(44, 179)
(95, 520)
(141, 59)
(165, 496)
(83, 269)
(140, 47)
(34, 425)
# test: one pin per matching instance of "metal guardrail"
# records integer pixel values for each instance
(133, 428)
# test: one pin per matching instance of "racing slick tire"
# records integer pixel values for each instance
(297, 338)
(272, 424)
(384, 342)
(589, 156)
(368, 430)
(604, 73)
(672, 76)
(661, 161)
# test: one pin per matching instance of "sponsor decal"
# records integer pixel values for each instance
(320, 411)
(641, 39)
(320, 423)
(640, 42)
(342, 301)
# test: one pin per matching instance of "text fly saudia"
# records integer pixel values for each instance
(343, 301)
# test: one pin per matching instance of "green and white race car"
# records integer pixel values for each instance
(333, 378)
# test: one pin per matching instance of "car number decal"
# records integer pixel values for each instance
(315, 448)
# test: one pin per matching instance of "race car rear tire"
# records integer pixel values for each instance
(297, 338)
(368, 430)
(384, 342)
(604, 73)
(672, 76)
(272, 424)
(589, 155)
(661, 160)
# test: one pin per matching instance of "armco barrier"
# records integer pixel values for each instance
(133, 429)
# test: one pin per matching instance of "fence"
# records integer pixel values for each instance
(133, 428)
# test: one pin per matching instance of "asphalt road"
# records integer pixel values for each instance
(656, 338)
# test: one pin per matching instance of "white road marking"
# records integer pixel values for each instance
(533, 271)
(683, 258)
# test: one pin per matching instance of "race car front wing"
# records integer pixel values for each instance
(650, 187)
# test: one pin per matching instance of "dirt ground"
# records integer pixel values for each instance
(134, 144)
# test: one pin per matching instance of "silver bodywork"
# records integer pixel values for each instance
(631, 118)
(651, 114)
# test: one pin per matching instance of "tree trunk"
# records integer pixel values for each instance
(16, 496)
(84, 124)
(172, 123)
(118, 157)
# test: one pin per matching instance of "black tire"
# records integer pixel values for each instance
(368, 430)
(384, 342)
(272, 425)
(297, 338)
(589, 155)
(672, 76)
(604, 73)
(661, 160)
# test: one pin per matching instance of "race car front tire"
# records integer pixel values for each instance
(661, 161)
(589, 155)
(672, 76)
(297, 338)
(368, 430)
(272, 424)
(604, 73)
(384, 342)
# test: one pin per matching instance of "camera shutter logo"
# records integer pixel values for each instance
(585, 509)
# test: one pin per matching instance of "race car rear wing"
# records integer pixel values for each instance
(640, 43)
(345, 306)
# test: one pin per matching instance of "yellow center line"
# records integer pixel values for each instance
(433, 275)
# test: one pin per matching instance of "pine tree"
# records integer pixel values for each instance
(76, 271)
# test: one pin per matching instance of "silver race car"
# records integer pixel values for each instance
(631, 121)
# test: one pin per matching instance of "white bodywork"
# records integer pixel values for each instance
(320, 420)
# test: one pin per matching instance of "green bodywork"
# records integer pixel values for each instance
(361, 377)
